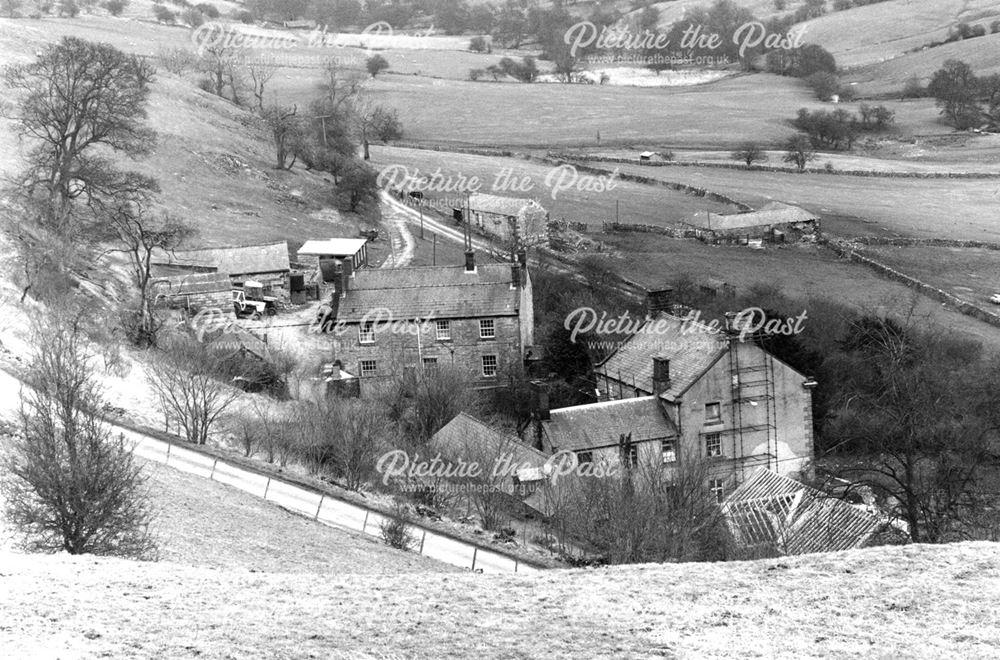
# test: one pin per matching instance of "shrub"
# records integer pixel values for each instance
(476, 74)
(116, 7)
(395, 529)
(995, 27)
(243, 16)
(163, 15)
(70, 484)
(192, 17)
(210, 11)
(912, 89)
(479, 45)
(842, 5)
(376, 64)
(68, 8)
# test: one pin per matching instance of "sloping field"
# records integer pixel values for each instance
(802, 272)
(878, 32)
(467, 113)
(962, 209)
(909, 601)
(889, 77)
(637, 203)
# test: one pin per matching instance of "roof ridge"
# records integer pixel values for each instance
(230, 247)
(591, 406)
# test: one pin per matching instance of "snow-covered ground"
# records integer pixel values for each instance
(642, 77)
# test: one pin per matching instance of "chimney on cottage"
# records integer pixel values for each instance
(470, 261)
(342, 273)
(659, 300)
(515, 275)
(661, 375)
(522, 258)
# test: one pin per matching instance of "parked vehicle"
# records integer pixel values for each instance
(995, 299)
(251, 301)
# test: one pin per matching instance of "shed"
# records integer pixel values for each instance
(266, 263)
(355, 249)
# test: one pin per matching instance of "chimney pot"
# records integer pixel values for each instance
(659, 300)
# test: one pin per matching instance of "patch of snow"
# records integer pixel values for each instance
(640, 77)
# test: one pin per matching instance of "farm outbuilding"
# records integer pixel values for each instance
(775, 222)
(326, 254)
(194, 292)
(507, 216)
(267, 263)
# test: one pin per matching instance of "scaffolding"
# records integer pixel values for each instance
(754, 413)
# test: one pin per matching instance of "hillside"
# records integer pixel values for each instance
(910, 601)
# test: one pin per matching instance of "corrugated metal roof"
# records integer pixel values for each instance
(192, 284)
(337, 247)
(431, 292)
(601, 424)
(235, 260)
(772, 213)
(773, 512)
(691, 349)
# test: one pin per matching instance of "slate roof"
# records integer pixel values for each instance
(772, 213)
(337, 247)
(469, 438)
(774, 514)
(601, 424)
(235, 260)
(436, 292)
(192, 284)
(691, 349)
(508, 206)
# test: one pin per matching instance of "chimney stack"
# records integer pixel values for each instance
(661, 375)
(339, 284)
(470, 261)
(522, 258)
(659, 300)
(515, 275)
(541, 399)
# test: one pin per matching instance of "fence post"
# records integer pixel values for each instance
(267, 487)
(322, 496)
(365, 524)
(212, 476)
(166, 461)
(475, 551)
(422, 539)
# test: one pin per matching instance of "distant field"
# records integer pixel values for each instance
(852, 205)
(924, 601)
(801, 271)
(467, 113)
(889, 77)
(878, 32)
(970, 274)
(637, 203)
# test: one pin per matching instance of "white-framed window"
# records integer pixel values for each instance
(583, 457)
(489, 366)
(442, 330)
(430, 364)
(718, 488)
(713, 445)
(368, 368)
(669, 451)
(486, 329)
(366, 333)
(713, 412)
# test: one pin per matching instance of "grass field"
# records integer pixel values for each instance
(878, 32)
(801, 272)
(638, 203)
(853, 205)
(970, 274)
(910, 601)
(890, 76)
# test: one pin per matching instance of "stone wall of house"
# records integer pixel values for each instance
(408, 345)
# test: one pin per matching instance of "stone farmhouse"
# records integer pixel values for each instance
(775, 222)
(680, 392)
(478, 317)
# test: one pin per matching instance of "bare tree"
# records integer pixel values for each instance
(78, 100)
(187, 378)
(375, 122)
(799, 151)
(70, 484)
(345, 438)
(260, 71)
(140, 234)
(750, 153)
(286, 132)
(421, 403)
